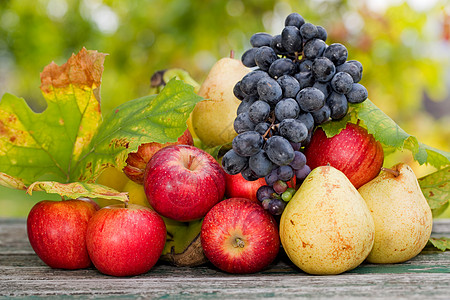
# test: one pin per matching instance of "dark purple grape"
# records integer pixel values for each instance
(322, 33)
(293, 130)
(323, 69)
(260, 164)
(282, 66)
(305, 79)
(342, 82)
(322, 115)
(264, 192)
(291, 39)
(338, 105)
(276, 206)
(358, 65)
(279, 150)
(264, 57)
(286, 109)
(337, 53)
(269, 90)
(294, 19)
(310, 99)
(238, 92)
(296, 147)
(289, 85)
(260, 39)
(245, 104)
(285, 173)
(352, 69)
(248, 58)
(302, 173)
(276, 45)
(307, 119)
(305, 65)
(250, 81)
(262, 128)
(272, 177)
(248, 174)
(233, 163)
(259, 111)
(247, 143)
(314, 48)
(308, 31)
(324, 87)
(242, 123)
(357, 94)
(299, 160)
(280, 186)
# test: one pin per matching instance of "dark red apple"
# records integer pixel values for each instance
(239, 236)
(238, 187)
(353, 151)
(57, 232)
(125, 241)
(183, 182)
(137, 161)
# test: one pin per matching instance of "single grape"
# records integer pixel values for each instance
(276, 207)
(238, 92)
(352, 69)
(322, 115)
(291, 39)
(260, 164)
(259, 111)
(310, 99)
(308, 31)
(289, 85)
(246, 103)
(357, 94)
(305, 79)
(358, 64)
(233, 163)
(307, 119)
(282, 66)
(262, 128)
(242, 123)
(248, 57)
(293, 130)
(324, 87)
(305, 65)
(322, 33)
(314, 48)
(265, 203)
(337, 53)
(295, 146)
(247, 143)
(294, 19)
(286, 109)
(302, 173)
(260, 39)
(264, 192)
(249, 175)
(279, 150)
(338, 105)
(299, 160)
(285, 173)
(264, 57)
(269, 90)
(280, 186)
(323, 69)
(250, 81)
(272, 177)
(342, 82)
(277, 46)
(288, 194)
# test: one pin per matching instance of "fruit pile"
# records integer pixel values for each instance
(299, 82)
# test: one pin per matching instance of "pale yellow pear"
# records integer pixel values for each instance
(212, 120)
(402, 216)
(326, 228)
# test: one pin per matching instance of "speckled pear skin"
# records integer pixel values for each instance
(327, 228)
(402, 216)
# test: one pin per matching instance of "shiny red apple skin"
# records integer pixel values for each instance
(238, 187)
(125, 241)
(57, 232)
(239, 236)
(353, 151)
(183, 182)
(137, 161)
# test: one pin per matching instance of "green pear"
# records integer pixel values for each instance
(401, 214)
(212, 120)
(326, 228)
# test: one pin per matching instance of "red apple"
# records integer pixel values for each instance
(238, 187)
(353, 151)
(125, 241)
(239, 236)
(57, 232)
(137, 161)
(183, 182)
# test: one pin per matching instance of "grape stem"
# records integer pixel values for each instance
(271, 127)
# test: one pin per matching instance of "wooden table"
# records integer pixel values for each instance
(24, 275)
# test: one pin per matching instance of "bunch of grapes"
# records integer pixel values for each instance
(298, 82)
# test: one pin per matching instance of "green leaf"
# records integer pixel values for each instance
(45, 146)
(442, 244)
(157, 118)
(74, 190)
(334, 127)
(436, 189)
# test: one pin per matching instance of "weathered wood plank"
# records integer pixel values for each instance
(22, 274)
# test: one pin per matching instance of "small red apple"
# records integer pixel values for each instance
(353, 151)
(125, 241)
(183, 182)
(239, 236)
(137, 161)
(238, 187)
(57, 232)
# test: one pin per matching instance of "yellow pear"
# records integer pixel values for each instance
(212, 120)
(326, 228)
(401, 214)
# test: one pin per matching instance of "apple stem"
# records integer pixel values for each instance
(238, 243)
(393, 172)
(190, 161)
(231, 53)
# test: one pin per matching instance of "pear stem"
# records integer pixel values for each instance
(231, 53)
(393, 172)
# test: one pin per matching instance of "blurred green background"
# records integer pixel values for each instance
(404, 47)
